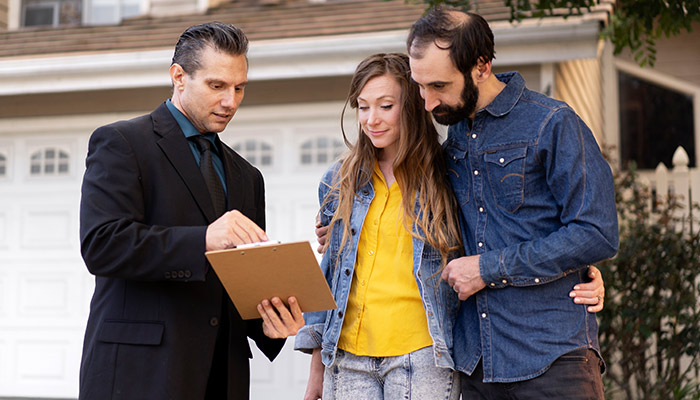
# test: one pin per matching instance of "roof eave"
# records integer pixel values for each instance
(529, 42)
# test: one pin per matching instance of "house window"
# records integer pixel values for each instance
(101, 12)
(256, 152)
(3, 166)
(321, 151)
(654, 121)
(49, 162)
(76, 12)
(51, 12)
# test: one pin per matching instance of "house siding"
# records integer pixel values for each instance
(678, 56)
(579, 83)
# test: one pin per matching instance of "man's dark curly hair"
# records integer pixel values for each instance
(466, 35)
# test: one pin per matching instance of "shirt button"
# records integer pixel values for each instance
(483, 315)
(476, 172)
(481, 244)
(473, 135)
(214, 321)
(481, 209)
(347, 272)
(363, 283)
(340, 314)
(501, 160)
(371, 253)
(454, 158)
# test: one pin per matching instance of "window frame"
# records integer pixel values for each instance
(258, 152)
(56, 17)
(118, 6)
(314, 151)
(59, 147)
(660, 79)
(6, 151)
(16, 13)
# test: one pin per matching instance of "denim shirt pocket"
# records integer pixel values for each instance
(506, 170)
(458, 173)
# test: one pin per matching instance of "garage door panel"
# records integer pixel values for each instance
(52, 294)
(47, 228)
(5, 363)
(304, 220)
(42, 360)
(4, 230)
(4, 294)
(43, 296)
(46, 364)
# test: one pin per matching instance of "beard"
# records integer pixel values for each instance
(449, 115)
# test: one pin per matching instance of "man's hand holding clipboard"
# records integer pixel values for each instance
(261, 276)
(233, 229)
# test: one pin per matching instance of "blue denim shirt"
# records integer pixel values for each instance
(322, 328)
(538, 205)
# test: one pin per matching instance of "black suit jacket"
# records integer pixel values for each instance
(156, 309)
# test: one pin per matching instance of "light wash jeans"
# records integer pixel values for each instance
(411, 376)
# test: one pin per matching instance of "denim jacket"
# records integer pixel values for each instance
(538, 205)
(322, 328)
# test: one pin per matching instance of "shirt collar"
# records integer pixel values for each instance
(187, 128)
(509, 96)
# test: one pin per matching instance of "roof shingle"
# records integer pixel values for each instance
(260, 22)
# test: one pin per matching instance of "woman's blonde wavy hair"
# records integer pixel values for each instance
(418, 168)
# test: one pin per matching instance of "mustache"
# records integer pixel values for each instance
(442, 109)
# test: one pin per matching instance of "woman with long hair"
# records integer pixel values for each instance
(392, 223)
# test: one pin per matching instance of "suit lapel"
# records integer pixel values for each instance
(176, 148)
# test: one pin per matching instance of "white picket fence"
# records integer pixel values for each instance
(685, 183)
(680, 180)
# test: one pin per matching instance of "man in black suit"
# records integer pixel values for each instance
(161, 325)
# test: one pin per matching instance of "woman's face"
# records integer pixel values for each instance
(379, 112)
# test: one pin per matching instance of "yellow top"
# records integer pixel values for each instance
(385, 315)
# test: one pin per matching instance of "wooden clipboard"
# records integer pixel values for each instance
(252, 274)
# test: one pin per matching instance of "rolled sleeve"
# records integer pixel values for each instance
(311, 335)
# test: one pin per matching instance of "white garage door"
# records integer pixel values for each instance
(44, 287)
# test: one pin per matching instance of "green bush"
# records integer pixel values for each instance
(650, 327)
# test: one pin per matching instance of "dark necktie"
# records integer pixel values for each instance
(206, 165)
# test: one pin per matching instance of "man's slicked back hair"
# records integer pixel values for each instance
(466, 35)
(221, 37)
